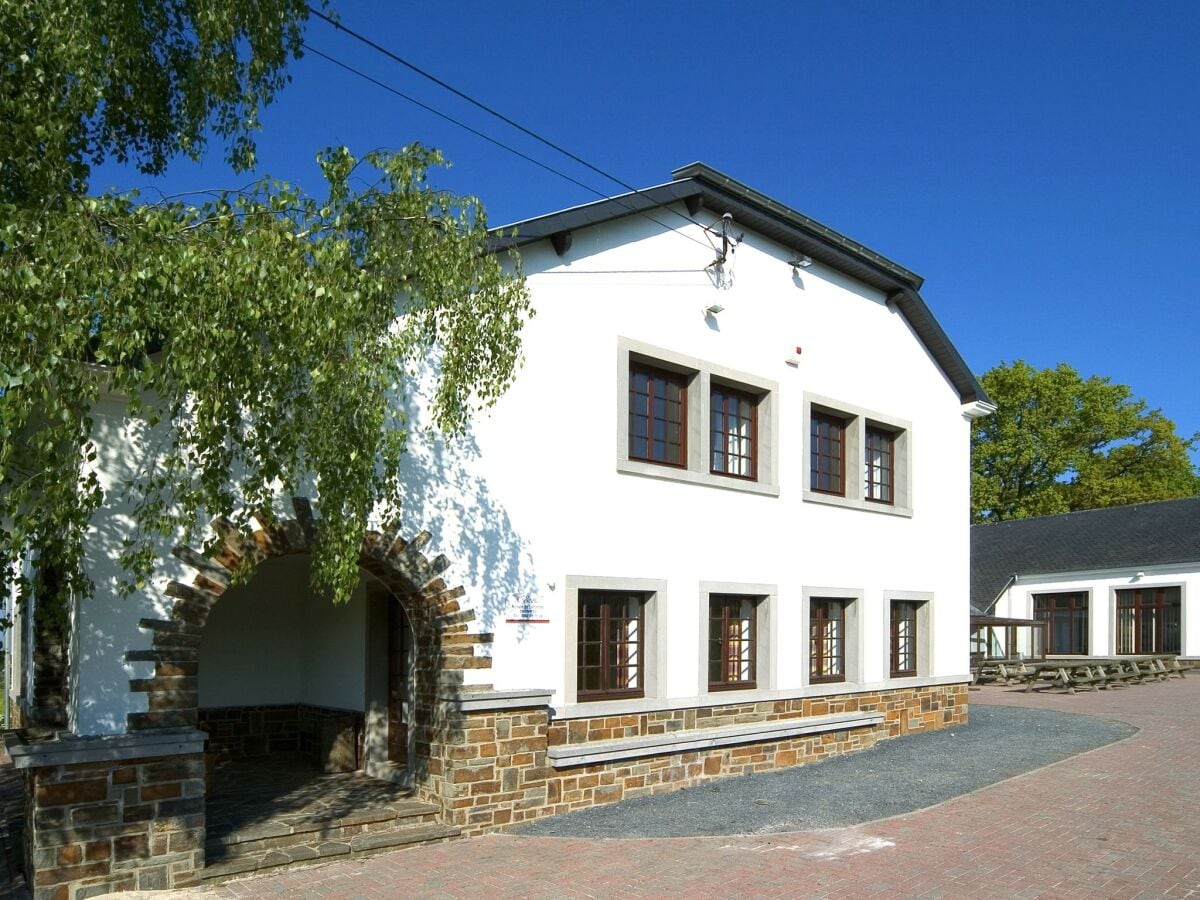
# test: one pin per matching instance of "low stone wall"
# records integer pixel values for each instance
(93, 826)
(496, 772)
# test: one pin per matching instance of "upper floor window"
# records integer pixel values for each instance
(880, 465)
(657, 415)
(842, 437)
(734, 432)
(827, 453)
(695, 421)
(731, 641)
(610, 649)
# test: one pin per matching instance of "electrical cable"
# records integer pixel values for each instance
(362, 38)
(387, 87)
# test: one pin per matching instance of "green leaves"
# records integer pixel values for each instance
(1060, 442)
(252, 341)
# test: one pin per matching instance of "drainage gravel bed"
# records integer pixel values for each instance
(893, 777)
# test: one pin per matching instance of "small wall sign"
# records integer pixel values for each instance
(527, 610)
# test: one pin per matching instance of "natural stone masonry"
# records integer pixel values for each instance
(497, 772)
(105, 814)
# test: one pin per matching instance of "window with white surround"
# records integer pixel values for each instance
(686, 419)
(736, 636)
(833, 629)
(908, 624)
(857, 458)
(615, 638)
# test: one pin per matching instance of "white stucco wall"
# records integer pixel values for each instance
(1102, 587)
(273, 641)
(533, 497)
(541, 470)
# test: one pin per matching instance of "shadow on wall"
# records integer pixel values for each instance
(446, 492)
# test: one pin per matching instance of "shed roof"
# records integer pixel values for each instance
(700, 184)
(1144, 534)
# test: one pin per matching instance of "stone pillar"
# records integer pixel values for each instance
(112, 813)
(490, 755)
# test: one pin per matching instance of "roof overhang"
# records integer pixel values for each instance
(699, 186)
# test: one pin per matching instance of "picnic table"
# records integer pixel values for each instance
(1003, 671)
(1092, 673)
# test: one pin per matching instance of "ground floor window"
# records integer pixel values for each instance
(732, 636)
(827, 639)
(1148, 620)
(1066, 618)
(904, 638)
(611, 644)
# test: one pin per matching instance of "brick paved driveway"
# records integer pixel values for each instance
(1119, 821)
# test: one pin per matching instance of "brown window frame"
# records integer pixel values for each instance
(681, 381)
(726, 661)
(870, 484)
(1046, 609)
(608, 600)
(818, 660)
(911, 609)
(817, 460)
(1153, 600)
(737, 396)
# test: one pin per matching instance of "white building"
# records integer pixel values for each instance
(718, 524)
(1108, 582)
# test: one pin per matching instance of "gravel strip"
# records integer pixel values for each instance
(894, 777)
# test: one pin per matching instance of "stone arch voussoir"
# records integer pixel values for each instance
(444, 645)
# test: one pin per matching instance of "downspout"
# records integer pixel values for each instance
(1012, 579)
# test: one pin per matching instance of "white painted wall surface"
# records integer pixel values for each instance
(1102, 585)
(533, 495)
(273, 641)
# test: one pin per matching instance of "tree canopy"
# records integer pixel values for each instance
(1060, 442)
(263, 335)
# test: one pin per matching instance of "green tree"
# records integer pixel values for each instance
(1060, 442)
(256, 335)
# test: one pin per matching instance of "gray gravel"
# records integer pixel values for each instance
(894, 777)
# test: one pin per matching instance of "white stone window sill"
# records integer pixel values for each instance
(886, 509)
(688, 476)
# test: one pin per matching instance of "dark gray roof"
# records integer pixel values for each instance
(700, 184)
(1144, 534)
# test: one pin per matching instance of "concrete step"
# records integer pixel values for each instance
(301, 839)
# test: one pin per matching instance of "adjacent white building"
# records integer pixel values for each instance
(1108, 582)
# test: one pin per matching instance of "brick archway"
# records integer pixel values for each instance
(444, 648)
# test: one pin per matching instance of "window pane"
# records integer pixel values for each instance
(610, 643)
(657, 415)
(826, 463)
(732, 435)
(731, 631)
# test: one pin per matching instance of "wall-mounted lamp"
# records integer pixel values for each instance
(713, 310)
(800, 261)
(1138, 575)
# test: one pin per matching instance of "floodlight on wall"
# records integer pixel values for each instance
(800, 261)
(1139, 575)
(713, 309)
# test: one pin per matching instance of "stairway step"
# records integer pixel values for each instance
(242, 862)
(287, 830)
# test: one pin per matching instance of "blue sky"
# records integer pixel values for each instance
(1036, 163)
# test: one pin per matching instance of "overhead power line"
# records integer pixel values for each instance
(503, 146)
(395, 57)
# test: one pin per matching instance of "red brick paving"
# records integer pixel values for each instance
(1117, 822)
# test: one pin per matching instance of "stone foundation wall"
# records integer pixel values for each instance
(97, 827)
(235, 732)
(496, 772)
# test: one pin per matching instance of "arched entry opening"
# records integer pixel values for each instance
(269, 670)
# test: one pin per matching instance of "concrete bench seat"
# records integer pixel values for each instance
(643, 745)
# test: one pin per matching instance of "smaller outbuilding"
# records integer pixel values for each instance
(1106, 582)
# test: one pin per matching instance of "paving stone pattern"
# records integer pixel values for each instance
(1118, 822)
